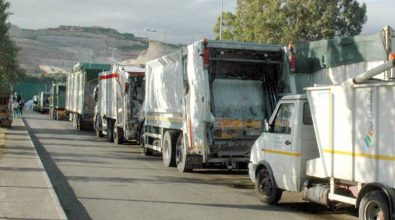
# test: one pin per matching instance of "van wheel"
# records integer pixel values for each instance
(168, 149)
(118, 135)
(374, 205)
(181, 156)
(266, 188)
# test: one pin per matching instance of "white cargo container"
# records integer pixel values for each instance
(206, 103)
(343, 154)
(80, 85)
(119, 98)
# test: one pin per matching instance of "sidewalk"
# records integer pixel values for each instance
(25, 189)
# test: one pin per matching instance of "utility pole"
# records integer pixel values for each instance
(221, 20)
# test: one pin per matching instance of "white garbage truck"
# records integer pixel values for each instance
(80, 104)
(205, 104)
(119, 99)
(336, 145)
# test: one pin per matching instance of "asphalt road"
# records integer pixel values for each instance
(95, 179)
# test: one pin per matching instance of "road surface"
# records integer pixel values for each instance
(95, 179)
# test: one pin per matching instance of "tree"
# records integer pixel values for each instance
(284, 21)
(10, 72)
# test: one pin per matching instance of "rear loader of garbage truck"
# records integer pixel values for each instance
(205, 104)
(5, 110)
(340, 153)
(57, 101)
(119, 97)
(80, 103)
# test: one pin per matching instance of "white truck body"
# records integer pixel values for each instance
(344, 154)
(211, 98)
(44, 102)
(119, 99)
(80, 85)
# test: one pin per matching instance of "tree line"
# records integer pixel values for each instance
(10, 71)
(291, 21)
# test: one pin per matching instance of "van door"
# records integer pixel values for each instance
(278, 147)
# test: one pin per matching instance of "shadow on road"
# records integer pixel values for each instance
(70, 203)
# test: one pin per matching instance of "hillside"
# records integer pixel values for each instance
(56, 50)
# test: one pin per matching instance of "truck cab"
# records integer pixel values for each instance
(285, 146)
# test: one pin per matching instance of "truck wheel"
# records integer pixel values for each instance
(110, 135)
(374, 205)
(79, 122)
(266, 188)
(99, 133)
(168, 150)
(118, 135)
(181, 155)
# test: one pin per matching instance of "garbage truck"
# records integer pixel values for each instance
(119, 99)
(335, 144)
(57, 101)
(205, 104)
(80, 104)
(43, 102)
(5, 110)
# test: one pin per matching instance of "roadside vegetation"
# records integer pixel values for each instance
(10, 71)
(286, 21)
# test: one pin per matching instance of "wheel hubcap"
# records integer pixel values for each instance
(373, 211)
(178, 154)
(166, 149)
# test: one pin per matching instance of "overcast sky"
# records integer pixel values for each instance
(174, 20)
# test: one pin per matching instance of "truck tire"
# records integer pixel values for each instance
(79, 123)
(99, 133)
(374, 205)
(266, 187)
(181, 156)
(118, 135)
(168, 149)
(110, 130)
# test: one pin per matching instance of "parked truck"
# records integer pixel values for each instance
(36, 103)
(119, 98)
(5, 110)
(205, 104)
(80, 104)
(43, 102)
(57, 101)
(336, 145)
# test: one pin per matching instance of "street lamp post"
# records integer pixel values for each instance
(221, 20)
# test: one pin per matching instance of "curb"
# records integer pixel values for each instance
(59, 208)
